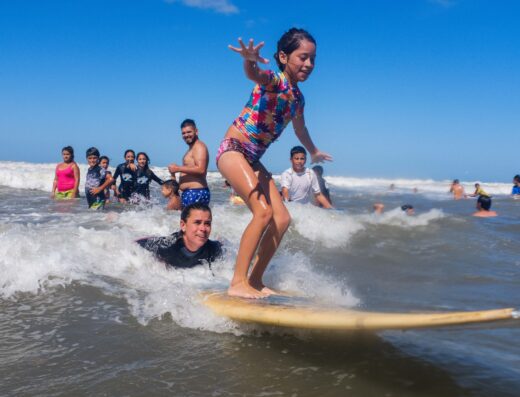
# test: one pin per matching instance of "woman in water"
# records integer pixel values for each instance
(144, 176)
(275, 101)
(66, 177)
(126, 172)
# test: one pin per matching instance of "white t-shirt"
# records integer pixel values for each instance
(302, 186)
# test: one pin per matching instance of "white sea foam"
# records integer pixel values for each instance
(24, 175)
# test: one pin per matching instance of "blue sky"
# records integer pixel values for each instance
(411, 88)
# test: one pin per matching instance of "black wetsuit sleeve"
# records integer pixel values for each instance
(156, 178)
(117, 173)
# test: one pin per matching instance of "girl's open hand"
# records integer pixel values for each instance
(251, 52)
(320, 157)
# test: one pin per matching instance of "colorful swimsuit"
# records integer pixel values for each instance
(269, 109)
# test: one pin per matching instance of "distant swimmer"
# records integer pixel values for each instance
(194, 168)
(170, 190)
(97, 181)
(126, 172)
(191, 245)
(318, 170)
(66, 177)
(406, 208)
(300, 184)
(516, 187)
(144, 176)
(484, 207)
(479, 192)
(458, 190)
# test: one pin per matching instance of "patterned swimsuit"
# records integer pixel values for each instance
(269, 109)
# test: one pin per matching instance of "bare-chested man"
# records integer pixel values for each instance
(458, 190)
(194, 168)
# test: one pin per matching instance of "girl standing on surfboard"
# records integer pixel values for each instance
(275, 101)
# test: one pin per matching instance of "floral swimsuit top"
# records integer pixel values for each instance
(269, 109)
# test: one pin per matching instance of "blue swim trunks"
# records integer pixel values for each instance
(190, 196)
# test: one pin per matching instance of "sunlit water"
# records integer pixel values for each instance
(85, 311)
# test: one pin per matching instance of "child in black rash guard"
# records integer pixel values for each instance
(127, 172)
(144, 176)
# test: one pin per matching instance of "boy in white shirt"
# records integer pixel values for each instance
(299, 184)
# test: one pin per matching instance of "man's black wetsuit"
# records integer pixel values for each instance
(144, 177)
(171, 250)
(128, 180)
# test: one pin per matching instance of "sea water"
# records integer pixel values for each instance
(85, 311)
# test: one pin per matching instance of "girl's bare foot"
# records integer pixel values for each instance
(244, 290)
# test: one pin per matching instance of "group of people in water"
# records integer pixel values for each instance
(276, 101)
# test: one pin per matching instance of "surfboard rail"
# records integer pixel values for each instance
(309, 317)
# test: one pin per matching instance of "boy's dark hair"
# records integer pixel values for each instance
(173, 184)
(516, 178)
(129, 151)
(185, 214)
(92, 151)
(407, 207)
(187, 122)
(69, 149)
(456, 181)
(298, 149)
(104, 158)
(289, 42)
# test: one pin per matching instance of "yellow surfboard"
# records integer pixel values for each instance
(293, 312)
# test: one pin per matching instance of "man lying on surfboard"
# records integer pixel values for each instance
(191, 245)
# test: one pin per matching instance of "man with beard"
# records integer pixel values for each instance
(192, 181)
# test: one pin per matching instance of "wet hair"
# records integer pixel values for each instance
(298, 149)
(104, 158)
(129, 151)
(456, 181)
(289, 42)
(172, 184)
(318, 169)
(69, 149)
(485, 202)
(146, 156)
(516, 178)
(407, 207)
(188, 122)
(185, 214)
(92, 151)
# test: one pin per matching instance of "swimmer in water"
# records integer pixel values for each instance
(170, 191)
(144, 176)
(457, 190)
(484, 207)
(127, 173)
(190, 246)
(66, 177)
(516, 187)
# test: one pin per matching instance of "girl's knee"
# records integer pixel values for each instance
(264, 215)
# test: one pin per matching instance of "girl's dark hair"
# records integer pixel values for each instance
(146, 156)
(129, 151)
(289, 42)
(69, 149)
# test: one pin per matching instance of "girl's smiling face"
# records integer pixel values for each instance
(299, 64)
(142, 161)
(67, 156)
(130, 157)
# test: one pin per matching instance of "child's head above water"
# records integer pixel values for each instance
(104, 162)
(169, 188)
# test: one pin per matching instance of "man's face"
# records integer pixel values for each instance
(196, 229)
(189, 134)
(298, 162)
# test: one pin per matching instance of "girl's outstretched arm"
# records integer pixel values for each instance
(303, 135)
(251, 55)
